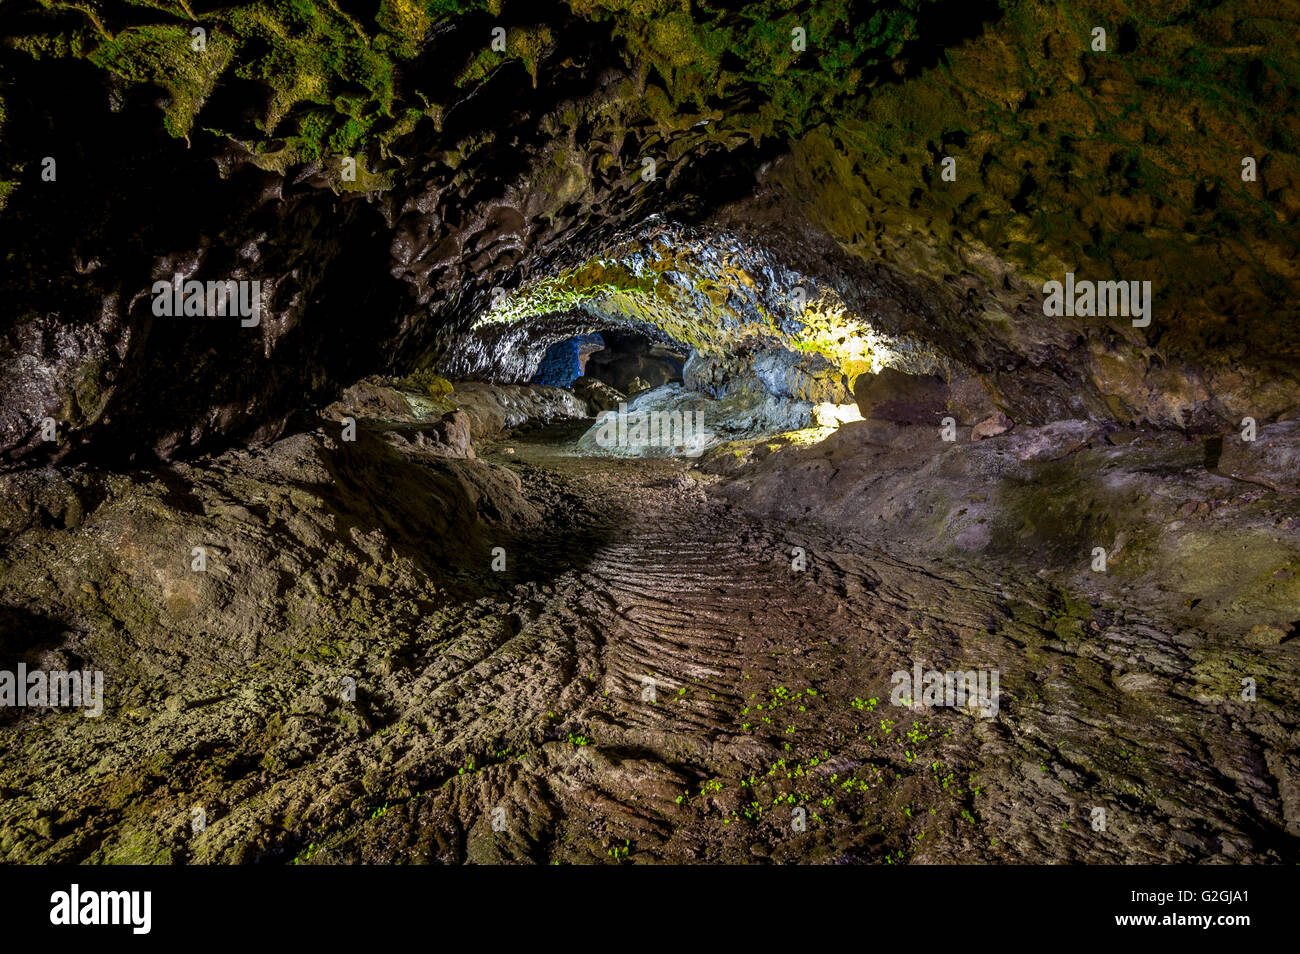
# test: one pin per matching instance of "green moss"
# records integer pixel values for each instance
(331, 83)
(526, 45)
(426, 383)
(1064, 155)
(126, 605)
(333, 76)
(164, 55)
(136, 847)
(717, 50)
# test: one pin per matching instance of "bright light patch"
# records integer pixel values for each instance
(827, 414)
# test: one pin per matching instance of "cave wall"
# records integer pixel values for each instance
(479, 169)
(1124, 164)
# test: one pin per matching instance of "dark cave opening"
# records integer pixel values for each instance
(566, 361)
(627, 361)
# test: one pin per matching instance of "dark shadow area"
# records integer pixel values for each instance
(447, 515)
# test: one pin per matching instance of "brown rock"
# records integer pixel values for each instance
(901, 398)
(969, 400)
(454, 432)
(598, 395)
(991, 427)
(1271, 460)
(1264, 635)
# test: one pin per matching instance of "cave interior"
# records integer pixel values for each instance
(650, 432)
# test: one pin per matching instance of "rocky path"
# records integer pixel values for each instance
(705, 700)
(657, 676)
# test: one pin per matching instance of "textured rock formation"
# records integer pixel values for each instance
(479, 168)
(357, 584)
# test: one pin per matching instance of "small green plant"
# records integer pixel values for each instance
(307, 854)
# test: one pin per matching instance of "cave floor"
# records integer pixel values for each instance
(650, 679)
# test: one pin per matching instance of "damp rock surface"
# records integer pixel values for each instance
(365, 584)
(653, 674)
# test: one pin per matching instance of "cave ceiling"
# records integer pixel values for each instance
(399, 176)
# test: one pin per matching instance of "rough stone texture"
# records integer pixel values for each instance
(686, 423)
(493, 408)
(798, 237)
(1215, 550)
(479, 171)
(598, 395)
(991, 427)
(1114, 165)
(902, 398)
(526, 690)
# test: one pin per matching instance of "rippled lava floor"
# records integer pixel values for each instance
(650, 679)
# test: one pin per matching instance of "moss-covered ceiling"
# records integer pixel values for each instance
(715, 292)
(819, 129)
(321, 78)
